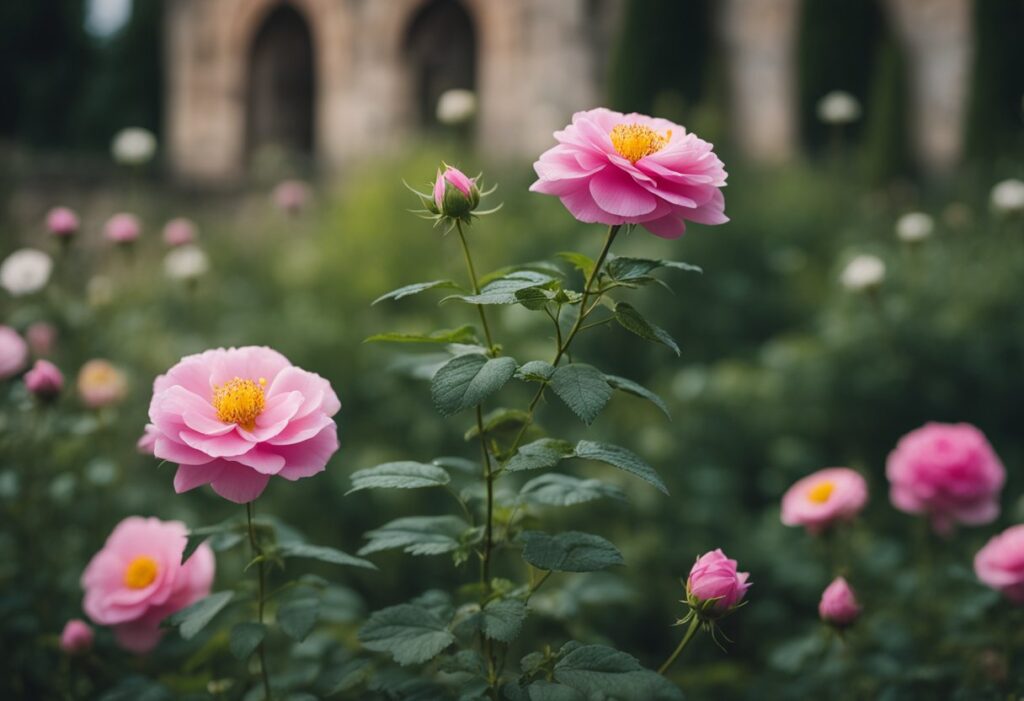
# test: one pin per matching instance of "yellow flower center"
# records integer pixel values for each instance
(240, 402)
(634, 141)
(820, 492)
(140, 572)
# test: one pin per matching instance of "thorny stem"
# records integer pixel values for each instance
(694, 624)
(258, 553)
(476, 286)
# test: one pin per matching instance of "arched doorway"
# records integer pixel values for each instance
(280, 97)
(440, 50)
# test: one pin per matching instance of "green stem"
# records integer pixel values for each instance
(476, 286)
(258, 553)
(690, 632)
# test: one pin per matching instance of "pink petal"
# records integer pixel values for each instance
(189, 477)
(582, 206)
(239, 484)
(261, 460)
(670, 226)
(302, 430)
(172, 451)
(139, 637)
(615, 192)
(308, 458)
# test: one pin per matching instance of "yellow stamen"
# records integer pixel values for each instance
(140, 572)
(634, 141)
(240, 402)
(820, 492)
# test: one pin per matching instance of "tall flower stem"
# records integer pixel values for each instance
(473, 282)
(257, 552)
(694, 624)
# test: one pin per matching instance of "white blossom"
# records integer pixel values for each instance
(914, 226)
(1008, 196)
(838, 107)
(186, 262)
(25, 271)
(864, 272)
(456, 107)
(133, 146)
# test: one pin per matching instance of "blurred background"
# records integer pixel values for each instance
(836, 119)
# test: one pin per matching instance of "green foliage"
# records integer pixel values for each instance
(569, 552)
(399, 475)
(467, 380)
(418, 535)
(411, 634)
(194, 618)
(583, 388)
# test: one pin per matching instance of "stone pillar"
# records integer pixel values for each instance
(760, 43)
(937, 37)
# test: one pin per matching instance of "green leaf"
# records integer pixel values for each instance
(541, 454)
(502, 619)
(503, 290)
(410, 634)
(543, 690)
(620, 458)
(637, 390)
(345, 676)
(499, 419)
(599, 671)
(245, 638)
(399, 475)
(463, 334)
(192, 619)
(324, 554)
(467, 380)
(197, 536)
(538, 266)
(535, 298)
(631, 320)
(555, 489)
(415, 289)
(585, 264)
(628, 269)
(570, 551)
(583, 389)
(418, 535)
(535, 371)
(297, 617)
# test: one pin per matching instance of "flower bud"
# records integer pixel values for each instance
(715, 587)
(41, 337)
(179, 231)
(62, 222)
(133, 146)
(291, 196)
(914, 227)
(122, 228)
(76, 637)
(1007, 197)
(455, 194)
(44, 380)
(838, 606)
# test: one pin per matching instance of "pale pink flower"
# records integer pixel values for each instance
(291, 196)
(714, 577)
(76, 637)
(179, 231)
(123, 228)
(41, 337)
(13, 352)
(947, 471)
(838, 605)
(616, 168)
(44, 380)
(823, 498)
(101, 384)
(137, 579)
(233, 418)
(147, 441)
(1000, 564)
(61, 221)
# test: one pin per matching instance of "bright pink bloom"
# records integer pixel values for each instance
(147, 441)
(291, 196)
(101, 384)
(616, 168)
(1000, 564)
(41, 337)
(44, 380)
(948, 471)
(838, 604)
(13, 352)
(179, 231)
(714, 577)
(233, 418)
(123, 228)
(823, 498)
(61, 221)
(454, 177)
(137, 579)
(76, 637)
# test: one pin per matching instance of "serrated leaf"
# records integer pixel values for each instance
(537, 266)
(535, 371)
(624, 385)
(631, 320)
(600, 671)
(583, 389)
(297, 617)
(543, 690)
(324, 554)
(415, 289)
(410, 634)
(621, 458)
(418, 535)
(503, 290)
(499, 419)
(463, 334)
(554, 489)
(245, 638)
(583, 263)
(541, 454)
(467, 380)
(502, 619)
(570, 551)
(627, 269)
(399, 475)
(192, 619)
(535, 298)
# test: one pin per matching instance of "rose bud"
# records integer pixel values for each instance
(76, 637)
(715, 587)
(44, 380)
(62, 222)
(838, 606)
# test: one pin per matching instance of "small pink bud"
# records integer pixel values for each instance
(838, 605)
(455, 194)
(714, 585)
(41, 337)
(123, 228)
(291, 196)
(44, 380)
(61, 221)
(77, 637)
(179, 231)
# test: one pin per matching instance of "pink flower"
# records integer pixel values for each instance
(1000, 564)
(61, 221)
(616, 168)
(823, 498)
(714, 579)
(137, 579)
(76, 637)
(233, 418)
(455, 194)
(948, 471)
(44, 380)
(41, 337)
(838, 604)
(101, 384)
(147, 441)
(13, 352)
(123, 228)
(291, 196)
(179, 231)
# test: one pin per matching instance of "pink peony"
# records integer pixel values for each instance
(179, 231)
(147, 441)
(234, 417)
(13, 352)
(41, 337)
(44, 380)
(137, 579)
(618, 168)
(76, 637)
(101, 384)
(1000, 564)
(819, 500)
(291, 196)
(838, 604)
(123, 228)
(714, 578)
(61, 221)
(948, 471)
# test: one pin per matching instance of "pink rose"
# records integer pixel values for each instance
(61, 221)
(1000, 564)
(838, 604)
(41, 337)
(147, 441)
(13, 352)
(455, 194)
(179, 231)
(44, 380)
(137, 579)
(291, 196)
(714, 578)
(823, 498)
(76, 637)
(616, 168)
(101, 384)
(233, 418)
(948, 471)
(123, 228)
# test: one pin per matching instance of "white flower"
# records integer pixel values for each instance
(864, 272)
(456, 107)
(133, 146)
(1008, 196)
(914, 226)
(186, 262)
(25, 271)
(838, 107)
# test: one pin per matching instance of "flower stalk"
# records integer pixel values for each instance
(690, 632)
(257, 552)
